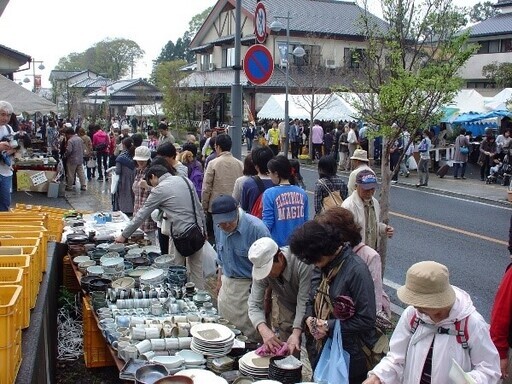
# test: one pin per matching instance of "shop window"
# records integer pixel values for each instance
(353, 57)
(228, 57)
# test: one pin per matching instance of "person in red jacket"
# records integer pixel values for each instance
(501, 320)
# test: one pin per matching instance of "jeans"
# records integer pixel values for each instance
(249, 144)
(456, 167)
(5, 192)
(423, 171)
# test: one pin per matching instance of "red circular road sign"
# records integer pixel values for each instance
(260, 23)
(258, 64)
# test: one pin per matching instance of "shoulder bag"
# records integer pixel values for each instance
(464, 150)
(193, 238)
(333, 199)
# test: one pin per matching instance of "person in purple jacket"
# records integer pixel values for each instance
(285, 206)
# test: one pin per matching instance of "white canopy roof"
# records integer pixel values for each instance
(329, 107)
(145, 110)
(468, 100)
(501, 101)
(22, 100)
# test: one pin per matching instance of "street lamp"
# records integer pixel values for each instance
(33, 64)
(277, 26)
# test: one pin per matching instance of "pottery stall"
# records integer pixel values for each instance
(142, 315)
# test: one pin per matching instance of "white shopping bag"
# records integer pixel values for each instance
(209, 260)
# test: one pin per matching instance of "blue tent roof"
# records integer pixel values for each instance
(472, 117)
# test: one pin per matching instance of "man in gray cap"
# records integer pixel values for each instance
(235, 231)
(290, 280)
(366, 209)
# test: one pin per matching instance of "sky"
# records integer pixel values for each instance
(50, 29)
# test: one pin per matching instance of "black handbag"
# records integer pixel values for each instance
(192, 240)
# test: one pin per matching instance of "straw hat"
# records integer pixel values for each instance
(427, 285)
(360, 154)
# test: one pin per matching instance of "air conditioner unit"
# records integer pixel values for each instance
(211, 67)
(329, 63)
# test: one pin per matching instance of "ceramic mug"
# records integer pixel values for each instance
(179, 319)
(178, 331)
(147, 355)
(157, 309)
(158, 344)
(152, 333)
(130, 352)
(171, 343)
(184, 342)
(138, 333)
(120, 346)
(143, 346)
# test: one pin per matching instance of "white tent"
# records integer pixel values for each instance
(22, 100)
(500, 101)
(468, 100)
(145, 110)
(330, 107)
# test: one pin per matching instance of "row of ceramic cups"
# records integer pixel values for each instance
(147, 349)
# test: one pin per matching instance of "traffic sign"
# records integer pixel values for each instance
(260, 23)
(258, 64)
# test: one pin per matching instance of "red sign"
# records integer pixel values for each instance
(258, 64)
(260, 23)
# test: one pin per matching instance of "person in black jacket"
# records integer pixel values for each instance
(350, 298)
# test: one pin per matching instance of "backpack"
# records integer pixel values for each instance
(460, 331)
(333, 199)
(196, 177)
(257, 207)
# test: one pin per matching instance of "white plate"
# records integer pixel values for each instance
(80, 259)
(252, 360)
(169, 362)
(211, 332)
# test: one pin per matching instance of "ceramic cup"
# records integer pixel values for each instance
(147, 355)
(184, 342)
(138, 333)
(124, 331)
(179, 319)
(179, 331)
(171, 343)
(123, 321)
(152, 333)
(143, 346)
(157, 309)
(130, 352)
(158, 344)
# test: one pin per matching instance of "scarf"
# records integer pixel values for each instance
(370, 218)
(125, 159)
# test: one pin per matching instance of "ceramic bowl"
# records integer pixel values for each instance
(150, 373)
(175, 379)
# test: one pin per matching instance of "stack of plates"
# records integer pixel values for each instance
(200, 298)
(253, 365)
(212, 339)
(152, 277)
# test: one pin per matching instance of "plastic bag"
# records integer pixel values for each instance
(114, 181)
(332, 367)
(209, 260)
(411, 164)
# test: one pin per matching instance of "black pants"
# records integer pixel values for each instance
(209, 228)
(295, 149)
(275, 149)
(163, 240)
(101, 159)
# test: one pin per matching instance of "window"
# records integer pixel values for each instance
(494, 46)
(353, 57)
(228, 57)
(506, 45)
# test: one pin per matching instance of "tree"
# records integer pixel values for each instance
(501, 73)
(410, 71)
(482, 11)
(113, 58)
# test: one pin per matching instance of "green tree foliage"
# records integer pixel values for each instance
(113, 58)
(501, 74)
(482, 11)
(408, 72)
(178, 103)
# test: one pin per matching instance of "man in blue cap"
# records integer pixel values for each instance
(235, 232)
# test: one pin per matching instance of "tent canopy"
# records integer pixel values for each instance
(330, 107)
(467, 101)
(145, 110)
(22, 100)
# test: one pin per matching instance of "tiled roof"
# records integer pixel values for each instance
(325, 17)
(317, 16)
(503, 3)
(63, 75)
(497, 25)
(14, 53)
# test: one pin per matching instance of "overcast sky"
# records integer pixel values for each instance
(50, 29)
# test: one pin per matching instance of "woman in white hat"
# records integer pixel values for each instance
(440, 327)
